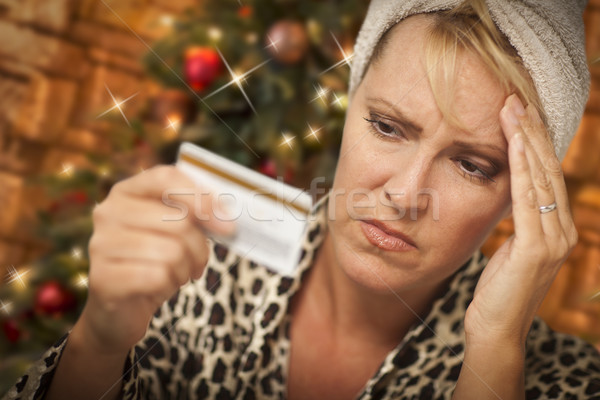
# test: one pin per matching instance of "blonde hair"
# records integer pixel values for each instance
(469, 27)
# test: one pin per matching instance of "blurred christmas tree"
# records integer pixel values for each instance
(41, 301)
(262, 83)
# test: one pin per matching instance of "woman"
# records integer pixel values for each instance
(390, 299)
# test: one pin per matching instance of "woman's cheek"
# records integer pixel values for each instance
(470, 225)
(356, 171)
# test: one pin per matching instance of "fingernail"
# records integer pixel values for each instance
(517, 107)
(518, 142)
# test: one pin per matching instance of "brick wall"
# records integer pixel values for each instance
(55, 58)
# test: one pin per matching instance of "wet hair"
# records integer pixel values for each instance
(468, 27)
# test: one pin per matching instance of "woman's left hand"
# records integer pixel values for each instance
(516, 279)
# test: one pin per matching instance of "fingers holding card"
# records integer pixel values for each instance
(270, 216)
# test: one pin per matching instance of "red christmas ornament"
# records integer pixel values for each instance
(245, 11)
(53, 298)
(268, 168)
(287, 41)
(76, 197)
(202, 66)
(11, 330)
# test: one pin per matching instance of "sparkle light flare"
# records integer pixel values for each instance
(313, 133)
(594, 296)
(174, 122)
(76, 253)
(338, 101)
(16, 276)
(272, 43)
(237, 79)
(67, 169)
(346, 60)
(321, 94)
(172, 129)
(287, 139)
(118, 105)
(6, 307)
(82, 280)
(176, 75)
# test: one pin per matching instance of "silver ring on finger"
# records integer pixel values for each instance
(548, 208)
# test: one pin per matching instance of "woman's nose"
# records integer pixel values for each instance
(408, 192)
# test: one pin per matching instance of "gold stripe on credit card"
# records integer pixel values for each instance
(234, 179)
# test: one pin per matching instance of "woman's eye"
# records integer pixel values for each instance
(469, 167)
(380, 128)
(472, 171)
(385, 128)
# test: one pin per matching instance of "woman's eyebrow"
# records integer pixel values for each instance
(500, 153)
(477, 147)
(397, 113)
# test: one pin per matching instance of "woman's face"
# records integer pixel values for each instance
(440, 188)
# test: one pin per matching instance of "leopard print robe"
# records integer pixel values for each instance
(226, 336)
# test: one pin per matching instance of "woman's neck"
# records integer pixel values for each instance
(353, 312)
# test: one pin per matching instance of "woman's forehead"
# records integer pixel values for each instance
(400, 77)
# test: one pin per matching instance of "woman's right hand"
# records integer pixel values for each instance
(142, 250)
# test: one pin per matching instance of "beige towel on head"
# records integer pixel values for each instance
(547, 34)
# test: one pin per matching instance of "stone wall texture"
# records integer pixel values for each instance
(55, 58)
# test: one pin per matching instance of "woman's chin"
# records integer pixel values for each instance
(371, 272)
(371, 267)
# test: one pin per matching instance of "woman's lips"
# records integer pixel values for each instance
(378, 234)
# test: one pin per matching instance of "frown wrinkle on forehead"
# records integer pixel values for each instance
(400, 77)
(483, 136)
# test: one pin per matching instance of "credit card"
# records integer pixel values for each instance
(270, 215)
